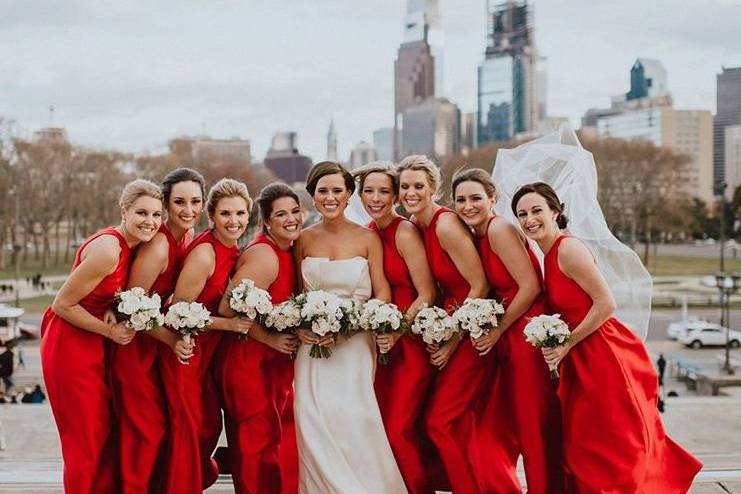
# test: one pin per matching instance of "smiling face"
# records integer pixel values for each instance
(331, 196)
(230, 217)
(143, 218)
(415, 191)
(186, 205)
(285, 221)
(472, 204)
(536, 218)
(378, 196)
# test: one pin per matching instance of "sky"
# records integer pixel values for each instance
(132, 75)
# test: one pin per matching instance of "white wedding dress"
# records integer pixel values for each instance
(342, 444)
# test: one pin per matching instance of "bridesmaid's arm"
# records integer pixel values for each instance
(381, 287)
(99, 259)
(577, 262)
(457, 242)
(412, 250)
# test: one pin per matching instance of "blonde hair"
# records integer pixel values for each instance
(224, 188)
(420, 162)
(385, 168)
(136, 189)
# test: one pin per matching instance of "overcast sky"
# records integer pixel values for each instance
(131, 75)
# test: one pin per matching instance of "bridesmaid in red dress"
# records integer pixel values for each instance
(192, 400)
(464, 375)
(524, 395)
(142, 414)
(404, 384)
(75, 350)
(256, 375)
(613, 438)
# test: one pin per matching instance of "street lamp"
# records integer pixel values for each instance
(727, 284)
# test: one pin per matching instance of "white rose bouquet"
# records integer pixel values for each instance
(381, 318)
(547, 331)
(477, 316)
(140, 311)
(187, 318)
(250, 301)
(285, 315)
(434, 325)
(326, 314)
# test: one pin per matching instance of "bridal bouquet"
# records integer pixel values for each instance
(380, 318)
(250, 301)
(326, 314)
(284, 316)
(140, 311)
(477, 316)
(546, 331)
(187, 318)
(434, 324)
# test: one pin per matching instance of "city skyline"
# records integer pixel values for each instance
(133, 76)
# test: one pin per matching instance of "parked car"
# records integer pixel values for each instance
(678, 328)
(708, 335)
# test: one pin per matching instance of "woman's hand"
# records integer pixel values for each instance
(183, 350)
(554, 356)
(109, 317)
(120, 333)
(306, 336)
(284, 343)
(441, 357)
(386, 342)
(484, 343)
(239, 324)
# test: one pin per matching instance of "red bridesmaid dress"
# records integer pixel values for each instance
(74, 364)
(451, 421)
(403, 385)
(256, 383)
(613, 438)
(192, 400)
(139, 394)
(522, 412)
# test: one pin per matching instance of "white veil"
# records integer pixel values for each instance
(356, 212)
(559, 160)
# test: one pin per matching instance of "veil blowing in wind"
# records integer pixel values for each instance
(560, 160)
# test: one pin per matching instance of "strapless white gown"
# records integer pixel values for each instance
(342, 444)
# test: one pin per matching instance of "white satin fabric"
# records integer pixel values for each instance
(342, 444)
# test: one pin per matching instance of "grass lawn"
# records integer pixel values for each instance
(36, 305)
(32, 266)
(668, 265)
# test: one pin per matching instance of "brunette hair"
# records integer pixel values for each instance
(546, 192)
(181, 175)
(328, 168)
(361, 173)
(268, 195)
(474, 175)
(224, 188)
(420, 162)
(136, 189)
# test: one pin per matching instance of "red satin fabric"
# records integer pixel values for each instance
(192, 400)
(522, 411)
(256, 382)
(613, 437)
(452, 413)
(137, 383)
(74, 364)
(403, 385)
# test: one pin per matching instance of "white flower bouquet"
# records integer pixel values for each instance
(140, 311)
(434, 325)
(326, 314)
(381, 318)
(547, 331)
(478, 315)
(285, 315)
(187, 318)
(250, 301)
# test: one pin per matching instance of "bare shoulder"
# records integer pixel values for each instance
(201, 253)
(573, 254)
(102, 249)
(449, 225)
(503, 230)
(407, 231)
(158, 248)
(261, 252)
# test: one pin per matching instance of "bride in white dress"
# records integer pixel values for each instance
(342, 444)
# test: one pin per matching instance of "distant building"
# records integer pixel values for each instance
(732, 156)
(383, 142)
(284, 159)
(507, 102)
(728, 113)
(362, 153)
(331, 143)
(234, 149)
(647, 80)
(432, 128)
(468, 132)
(51, 135)
(422, 23)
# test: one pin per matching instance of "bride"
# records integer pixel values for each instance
(341, 440)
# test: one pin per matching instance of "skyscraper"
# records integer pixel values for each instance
(507, 78)
(362, 154)
(432, 128)
(647, 80)
(422, 23)
(728, 113)
(331, 143)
